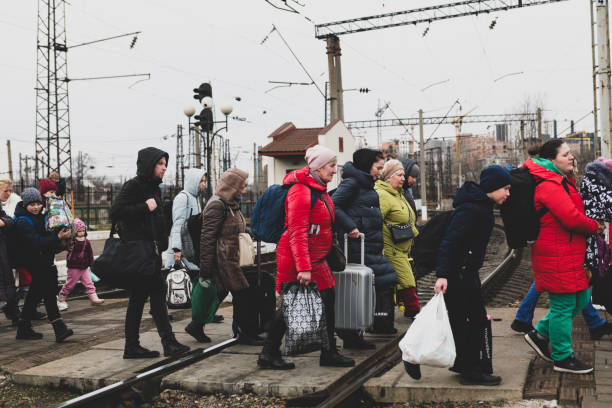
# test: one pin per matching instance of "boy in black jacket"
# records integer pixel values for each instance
(36, 253)
(460, 258)
(139, 216)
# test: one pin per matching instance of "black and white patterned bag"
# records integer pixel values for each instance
(304, 315)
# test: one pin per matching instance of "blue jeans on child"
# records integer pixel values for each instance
(527, 307)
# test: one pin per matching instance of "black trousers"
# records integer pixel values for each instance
(467, 316)
(43, 287)
(278, 326)
(155, 290)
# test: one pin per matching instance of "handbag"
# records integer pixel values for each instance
(336, 258)
(304, 314)
(401, 232)
(124, 264)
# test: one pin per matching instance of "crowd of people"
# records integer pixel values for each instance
(373, 200)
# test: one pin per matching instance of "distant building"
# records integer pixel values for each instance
(286, 151)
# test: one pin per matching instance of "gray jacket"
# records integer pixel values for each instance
(185, 205)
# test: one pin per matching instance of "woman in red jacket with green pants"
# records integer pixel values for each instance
(557, 255)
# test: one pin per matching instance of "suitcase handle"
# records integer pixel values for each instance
(362, 237)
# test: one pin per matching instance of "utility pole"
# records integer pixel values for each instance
(597, 148)
(603, 44)
(10, 159)
(335, 78)
(422, 168)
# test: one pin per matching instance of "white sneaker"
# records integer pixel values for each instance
(62, 306)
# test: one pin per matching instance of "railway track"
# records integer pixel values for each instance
(496, 275)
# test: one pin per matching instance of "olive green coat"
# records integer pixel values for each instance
(396, 210)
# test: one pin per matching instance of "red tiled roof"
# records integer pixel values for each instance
(289, 140)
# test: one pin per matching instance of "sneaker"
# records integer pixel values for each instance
(479, 379)
(539, 345)
(598, 332)
(521, 327)
(572, 365)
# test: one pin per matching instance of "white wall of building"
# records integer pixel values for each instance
(279, 166)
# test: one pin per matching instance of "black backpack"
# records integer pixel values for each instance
(520, 217)
(427, 243)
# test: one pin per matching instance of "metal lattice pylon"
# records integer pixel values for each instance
(53, 145)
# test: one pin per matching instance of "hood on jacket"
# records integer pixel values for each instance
(350, 171)
(600, 172)
(231, 184)
(385, 186)
(468, 193)
(192, 181)
(408, 164)
(147, 159)
(542, 173)
(303, 176)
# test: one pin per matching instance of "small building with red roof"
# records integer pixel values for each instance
(286, 151)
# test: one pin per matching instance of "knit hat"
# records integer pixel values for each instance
(78, 224)
(606, 162)
(363, 159)
(47, 185)
(391, 168)
(30, 195)
(318, 156)
(493, 178)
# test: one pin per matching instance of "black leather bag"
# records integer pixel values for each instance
(125, 264)
(335, 258)
(401, 232)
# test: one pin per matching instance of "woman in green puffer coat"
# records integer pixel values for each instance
(396, 211)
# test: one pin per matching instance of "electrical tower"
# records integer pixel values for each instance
(53, 145)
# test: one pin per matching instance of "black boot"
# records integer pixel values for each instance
(61, 331)
(413, 370)
(272, 360)
(25, 331)
(331, 358)
(196, 330)
(11, 311)
(172, 347)
(135, 350)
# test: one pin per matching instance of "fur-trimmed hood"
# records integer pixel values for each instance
(600, 173)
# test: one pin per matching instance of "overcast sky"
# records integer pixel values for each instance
(184, 43)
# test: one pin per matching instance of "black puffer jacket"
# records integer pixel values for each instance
(462, 250)
(131, 213)
(357, 206)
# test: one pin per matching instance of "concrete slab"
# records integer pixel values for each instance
(511, 358)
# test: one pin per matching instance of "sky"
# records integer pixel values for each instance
(186, 42)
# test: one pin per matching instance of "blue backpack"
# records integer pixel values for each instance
(268, 217)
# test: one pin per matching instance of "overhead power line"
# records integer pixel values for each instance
(422, 15)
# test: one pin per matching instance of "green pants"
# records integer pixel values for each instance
(556, 326)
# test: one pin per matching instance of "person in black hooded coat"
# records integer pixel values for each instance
(358, 211)
(138, 214)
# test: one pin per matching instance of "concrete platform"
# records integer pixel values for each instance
(511, 358)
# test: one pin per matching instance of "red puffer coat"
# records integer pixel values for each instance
(299, 250)
(557, 256)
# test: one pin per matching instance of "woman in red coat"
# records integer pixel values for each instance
(557, 256)
(301, 251)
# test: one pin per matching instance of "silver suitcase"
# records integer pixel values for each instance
(355, 296)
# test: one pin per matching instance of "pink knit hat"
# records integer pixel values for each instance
(318, 156)
(606, 162)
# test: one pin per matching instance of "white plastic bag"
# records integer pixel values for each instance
(429, 340)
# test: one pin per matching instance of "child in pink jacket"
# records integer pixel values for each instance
(78, 261)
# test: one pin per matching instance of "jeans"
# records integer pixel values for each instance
(556, 326)
(525, 311)
(155, 289)
(43, 286)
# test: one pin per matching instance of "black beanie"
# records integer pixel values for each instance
(363, 159)
(493, 178)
